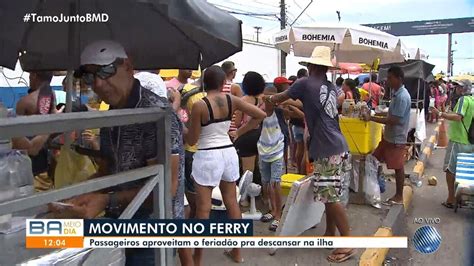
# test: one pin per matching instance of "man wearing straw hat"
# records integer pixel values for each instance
(328, 149)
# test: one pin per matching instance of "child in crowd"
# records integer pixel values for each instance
(271, 149)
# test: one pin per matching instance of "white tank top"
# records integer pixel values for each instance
(214, 134)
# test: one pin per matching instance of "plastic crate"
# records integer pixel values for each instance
(287, 181)
(362, 137)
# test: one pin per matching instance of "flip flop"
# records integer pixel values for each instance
(267, 218)
(447, 205)
(390, 202)
(345, 256)
(273, 227)
(228, 254)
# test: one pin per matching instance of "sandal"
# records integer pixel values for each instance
(448, 205)
(390, 202)
(267, 218)
(340, 257)
(228, 254)
(273, 227)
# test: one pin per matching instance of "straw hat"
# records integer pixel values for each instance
(321, 56)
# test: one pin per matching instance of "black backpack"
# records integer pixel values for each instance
(470, 131)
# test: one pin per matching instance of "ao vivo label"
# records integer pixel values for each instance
(427, 220)
(50, 227)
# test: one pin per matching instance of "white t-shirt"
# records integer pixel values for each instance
(152, 82)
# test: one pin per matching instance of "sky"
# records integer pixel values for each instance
(366, 12)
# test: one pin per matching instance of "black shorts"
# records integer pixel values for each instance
(246, 145)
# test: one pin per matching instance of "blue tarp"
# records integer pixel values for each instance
(9, 96)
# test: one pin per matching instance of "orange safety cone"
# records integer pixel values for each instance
(442, 135)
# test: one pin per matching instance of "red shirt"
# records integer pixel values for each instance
(375, 92)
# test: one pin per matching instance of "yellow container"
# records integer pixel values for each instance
(287, 181)
(362, 137)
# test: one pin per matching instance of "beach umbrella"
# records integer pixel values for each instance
(350, 68)
(349, 43)
(461, 77)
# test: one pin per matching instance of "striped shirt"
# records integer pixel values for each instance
(271, 143)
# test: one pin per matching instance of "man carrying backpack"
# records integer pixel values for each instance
(460, 134)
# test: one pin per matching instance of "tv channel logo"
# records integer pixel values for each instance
(54, 227)
(427, 239)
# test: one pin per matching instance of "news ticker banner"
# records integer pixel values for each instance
(77, 233)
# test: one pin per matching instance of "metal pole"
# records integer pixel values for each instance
(69, 91)
(282, 26)
(418, 94)
(450, 39)
(257, 29)
(162, 196)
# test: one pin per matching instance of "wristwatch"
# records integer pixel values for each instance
(440, 114)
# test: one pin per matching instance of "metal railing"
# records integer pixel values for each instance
(159, 176)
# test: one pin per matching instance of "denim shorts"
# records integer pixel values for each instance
(271, 171)
(298, 134)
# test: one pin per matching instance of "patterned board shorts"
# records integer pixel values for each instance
(328, 177)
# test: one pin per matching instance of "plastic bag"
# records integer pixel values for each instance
(16, 180)
(354, 182)
(420, 133)
(371, 184)
(72, 168)
(15, 171)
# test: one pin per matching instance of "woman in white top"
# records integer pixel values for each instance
(216, 162)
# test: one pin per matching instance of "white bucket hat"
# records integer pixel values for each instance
(321, 56)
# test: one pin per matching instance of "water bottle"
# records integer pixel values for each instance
(381, 180)
(415, 181)
(7, 192)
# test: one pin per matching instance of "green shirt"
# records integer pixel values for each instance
(457, 131)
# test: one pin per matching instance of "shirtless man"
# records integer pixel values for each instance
(40, 101)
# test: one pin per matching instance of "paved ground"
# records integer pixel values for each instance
(365, 220)
(453, 227)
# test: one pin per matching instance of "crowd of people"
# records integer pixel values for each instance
(443, 96)
(220, 130)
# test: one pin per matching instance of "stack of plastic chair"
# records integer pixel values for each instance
(465, 180)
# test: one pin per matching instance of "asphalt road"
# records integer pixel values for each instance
(456, 229)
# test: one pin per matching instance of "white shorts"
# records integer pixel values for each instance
(212, 166)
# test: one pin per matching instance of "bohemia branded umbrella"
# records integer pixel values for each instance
(349, 43)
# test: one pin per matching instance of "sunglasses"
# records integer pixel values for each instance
(102, 72)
